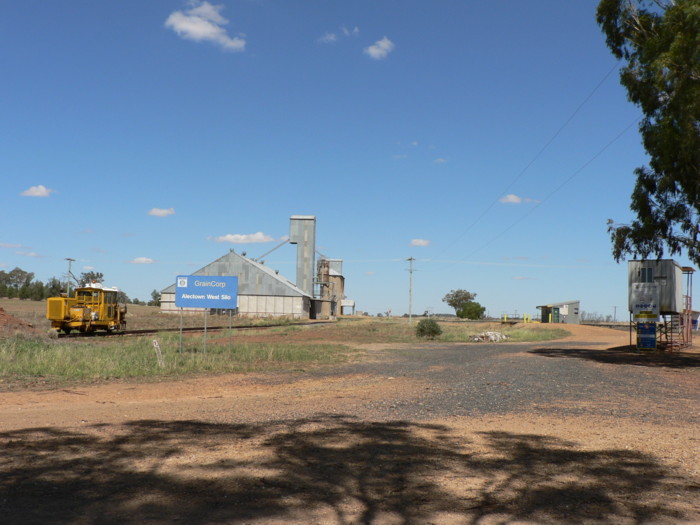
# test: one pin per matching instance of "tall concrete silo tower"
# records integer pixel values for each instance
(302, 232)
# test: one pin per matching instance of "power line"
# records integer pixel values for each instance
(555, 190)
(534, 159)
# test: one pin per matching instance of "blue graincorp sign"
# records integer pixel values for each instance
(206, 291)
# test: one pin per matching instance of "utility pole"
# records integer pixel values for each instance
(614, 314)
(70, 274)
(410, 290)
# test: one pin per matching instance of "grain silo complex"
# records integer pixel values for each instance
(318, 293)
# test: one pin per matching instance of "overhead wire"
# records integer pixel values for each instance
(534, 159)
(555, 190)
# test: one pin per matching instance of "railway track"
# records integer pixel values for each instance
(188, 330)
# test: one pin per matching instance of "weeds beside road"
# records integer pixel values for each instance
(34, 358)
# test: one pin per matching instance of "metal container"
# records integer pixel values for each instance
(661, 279)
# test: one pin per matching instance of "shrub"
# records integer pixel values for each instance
(428, 329)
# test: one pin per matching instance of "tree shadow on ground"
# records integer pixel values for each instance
(626, 355)
(330, 469)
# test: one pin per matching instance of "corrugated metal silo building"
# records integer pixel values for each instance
(262, 292)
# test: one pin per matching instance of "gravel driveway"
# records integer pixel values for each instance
(563, 432)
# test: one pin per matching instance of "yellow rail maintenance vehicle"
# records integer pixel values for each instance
(92, 307)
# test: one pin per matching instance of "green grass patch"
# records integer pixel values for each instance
(463, 332)
(50, 361)
(86, 360)
(532, 333)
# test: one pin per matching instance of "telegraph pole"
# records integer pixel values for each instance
(70, 274)
(410, 290)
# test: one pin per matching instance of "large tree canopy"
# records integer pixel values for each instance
(659, 40)
(463, 303)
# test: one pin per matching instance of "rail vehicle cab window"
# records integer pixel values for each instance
(88, 296)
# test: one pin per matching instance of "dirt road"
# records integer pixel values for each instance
(571, 431)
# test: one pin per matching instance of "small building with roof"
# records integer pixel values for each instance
(565, 312)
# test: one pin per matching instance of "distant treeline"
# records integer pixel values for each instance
(20, 284)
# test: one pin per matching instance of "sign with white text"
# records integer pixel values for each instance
(206, 291)
(646, 336)
(645, 307)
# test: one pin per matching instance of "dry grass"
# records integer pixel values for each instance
(138, 317)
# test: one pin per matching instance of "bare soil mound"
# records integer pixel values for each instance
(9, 322)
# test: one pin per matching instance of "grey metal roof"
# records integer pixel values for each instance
(550, 305)
(253, 278)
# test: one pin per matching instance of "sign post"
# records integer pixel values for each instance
(218, 292)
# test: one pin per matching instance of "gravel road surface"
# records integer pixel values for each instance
(572, 431)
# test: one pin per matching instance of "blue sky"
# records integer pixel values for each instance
(490, 141)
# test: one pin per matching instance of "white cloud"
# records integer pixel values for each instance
(37, 191)
(350, 32)
(522, 278)
(328, 38)
(511, 198)
(28, 254)
(238, 238)
(440, 161)
(88, 268)
(332, 37)
(420, 242)
(162, 212)
(142, 260)
(204, 22)
(9, 245)
(380, 49)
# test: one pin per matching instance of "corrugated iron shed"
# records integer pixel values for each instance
(254, 278)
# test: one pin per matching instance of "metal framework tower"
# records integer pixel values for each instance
(687, 316)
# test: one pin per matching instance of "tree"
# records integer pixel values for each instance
(53, 288)
(463, 303)
(471, 310)
(155, 298)
(18, 278)
(89, 277)
(658, 40)
(458, 298)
